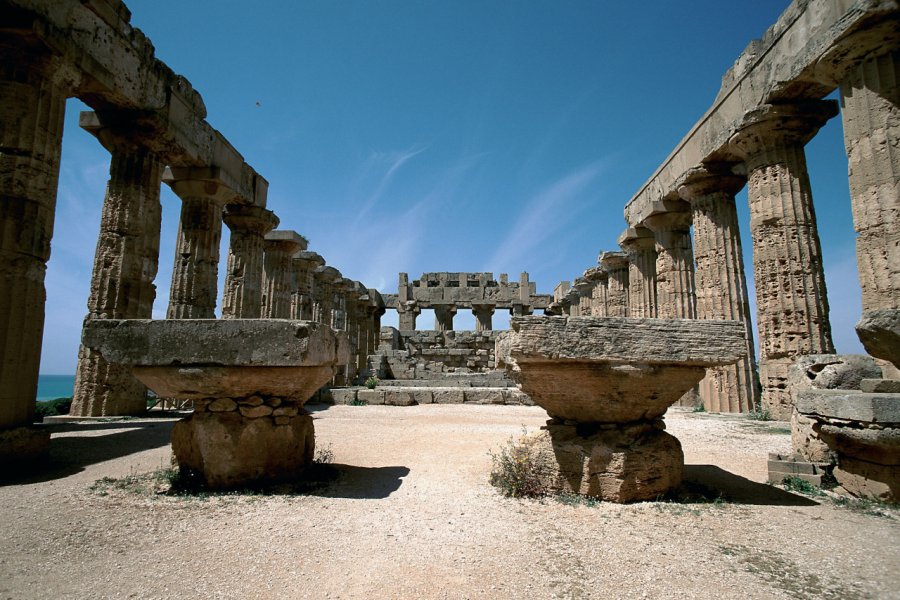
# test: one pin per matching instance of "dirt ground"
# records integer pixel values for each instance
(411, 515)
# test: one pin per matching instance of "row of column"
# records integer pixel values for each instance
(443, 315)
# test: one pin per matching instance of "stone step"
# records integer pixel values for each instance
(410, 395)
(782, 466)
(448, 382)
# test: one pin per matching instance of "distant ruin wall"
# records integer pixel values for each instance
(423, 354)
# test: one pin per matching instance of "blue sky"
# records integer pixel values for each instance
(443, 136)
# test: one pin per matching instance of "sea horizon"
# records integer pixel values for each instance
(55, 385)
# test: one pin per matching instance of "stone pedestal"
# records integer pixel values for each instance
(248, 380)
(195, 273)
(720, 284)
(125, 266)
(791, 299)
(278, 272)
(640, 246)
(616, 266)
(606, 383)
(443, 317)
(243, 278)
(33, 91)
(863, 429)
(483, 314)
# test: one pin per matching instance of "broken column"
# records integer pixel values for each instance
(791, 299)
(483, 314)
(278, 272)
(639, 244)
(125, 265)
(616, 266)
(443, 316)
(33, 91)
(671, 226)
(243, 278)
(606, 383)
(720, 283)
(195, 274)
(248, 381)
(304, 263)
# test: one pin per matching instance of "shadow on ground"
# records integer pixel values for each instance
(713, 482)
(71, 454)
(363, 482)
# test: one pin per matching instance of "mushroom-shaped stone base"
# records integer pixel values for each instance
(863, 429)
(606, 382)
(248, 380)
(626, 463)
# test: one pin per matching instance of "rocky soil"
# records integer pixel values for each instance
(411, 515)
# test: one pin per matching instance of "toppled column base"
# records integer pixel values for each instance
(613, 462)
(863, 430)
(22, 445)
(236, 441)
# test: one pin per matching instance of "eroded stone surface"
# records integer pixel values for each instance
(879, 332)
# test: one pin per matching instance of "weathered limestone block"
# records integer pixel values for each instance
(399, 397)
(864, 431)
(791, 299)
(618, 464)
(371, 396)
(239, 372)
(343, 395)
(826, 372)
(448, 395)
(879, 332)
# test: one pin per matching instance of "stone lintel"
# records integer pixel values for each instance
(850, 405)
(213, 342)
(686, 342)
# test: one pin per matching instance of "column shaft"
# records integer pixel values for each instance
(242, 298)
(443, 317)
(674, 265)
(195, 274)
(641, 251)
(32, 105)
(278, 277)
(125, 266)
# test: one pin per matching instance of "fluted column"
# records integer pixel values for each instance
(304, 264)
(721, 286)
(483, 314)
(791, 299)
(243, 278)
(325, 278)
(33, 91)
(585, 288)
(125, 266)
(639, 244)
(195, 273)
(600, 294)
(408, 311)
(674, 262)
(443, 317)
(278, 272)
(616, 266)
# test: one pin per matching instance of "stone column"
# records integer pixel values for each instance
(408, 311)
(125, 265)
(325, 278)
(33, 91)
(483, 314)
(615, 264)
(639, 244)
(721, 287)
(600, 295)
(278, 272)
(521, 310)
(304, 264)
(195, 274)
(792, 304)
(674, 262)
(243, 279)
(443, 317)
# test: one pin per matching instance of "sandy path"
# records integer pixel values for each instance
(412, 516)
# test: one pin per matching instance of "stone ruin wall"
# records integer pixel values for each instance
(425, 354)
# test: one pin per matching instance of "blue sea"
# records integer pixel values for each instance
(51, 387)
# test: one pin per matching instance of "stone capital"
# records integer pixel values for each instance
(771, 125)
(637, 239)
(676, 220)
(205, 182)
(595, 274)
(710, 179)
(613, 261)
(309, 260)
(853, 50)
(285, 240)
(250, 219)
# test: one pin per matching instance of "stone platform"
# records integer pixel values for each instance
(606, 383)
(248, 380)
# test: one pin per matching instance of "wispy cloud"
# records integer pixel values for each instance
(390, 162)
(543, 215)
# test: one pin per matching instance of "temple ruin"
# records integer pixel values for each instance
(679, 259)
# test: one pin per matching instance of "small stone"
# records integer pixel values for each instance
(251, 401)
(274, 402)
(254, 412)
(285, 411)
(222, 405)
(282, 420)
